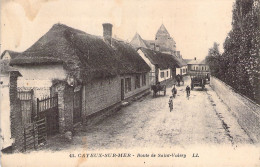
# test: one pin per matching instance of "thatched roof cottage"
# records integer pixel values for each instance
(163, 66)
(89, 73)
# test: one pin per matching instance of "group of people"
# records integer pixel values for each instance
(174, 92)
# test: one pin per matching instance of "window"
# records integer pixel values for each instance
(162, 74)
(143, 80)
(202, 68)
(167, 73)
(127, 85)
(137, 81)
(197, 68)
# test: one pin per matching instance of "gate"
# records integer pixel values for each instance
(47, 108)
(77, 106)
(34, 134)
(26, 99)
(30, 136)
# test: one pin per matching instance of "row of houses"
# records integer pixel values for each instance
(88, 74)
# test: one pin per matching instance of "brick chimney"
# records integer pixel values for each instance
(178, 54)
(107, 32)
(195, 58)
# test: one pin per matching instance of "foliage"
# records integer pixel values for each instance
(239, 65)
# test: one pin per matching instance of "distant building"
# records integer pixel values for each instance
(8, 54)
(163, 43)
(161, 64)
(197, 66)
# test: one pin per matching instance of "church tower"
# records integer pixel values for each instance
(164, 40)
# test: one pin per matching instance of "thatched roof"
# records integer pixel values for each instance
(180, 61)
(83, 55)
(162, 60)
(11, 53)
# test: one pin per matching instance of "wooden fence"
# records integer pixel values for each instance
(35, 134)
(46, 103)
(30, 136)
(48, 108)
(37, 125)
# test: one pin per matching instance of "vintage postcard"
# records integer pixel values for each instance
(130, 83)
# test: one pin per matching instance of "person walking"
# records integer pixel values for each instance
(170, 103)
(188, 91)
(174, 91)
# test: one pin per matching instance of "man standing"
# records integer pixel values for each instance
(188, 91)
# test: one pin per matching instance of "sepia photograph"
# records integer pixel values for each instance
(130, 83)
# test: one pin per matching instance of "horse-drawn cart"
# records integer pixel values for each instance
(198, 80)
(158, 88)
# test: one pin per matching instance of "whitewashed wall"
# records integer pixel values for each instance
(39, 78)
(6, 56)
(198, 67)
(5, 140)
(152, 72)
(160, 79)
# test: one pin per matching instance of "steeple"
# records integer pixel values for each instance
(164, 40)
(162, 31)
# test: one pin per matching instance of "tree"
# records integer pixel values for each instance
(213, 60)
(239, 65)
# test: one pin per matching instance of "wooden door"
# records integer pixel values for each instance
(122, 90)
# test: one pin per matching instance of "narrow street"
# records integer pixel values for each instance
(201, 119)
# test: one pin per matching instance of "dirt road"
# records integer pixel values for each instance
(201, 119)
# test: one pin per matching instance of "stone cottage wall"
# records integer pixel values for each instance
(65, 105)
(134, 90)
(100, 94)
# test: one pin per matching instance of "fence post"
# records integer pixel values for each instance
(33, 136)
(32, 109)
(38, 107)
(24, 139)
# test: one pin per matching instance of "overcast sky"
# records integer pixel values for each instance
(194, 24)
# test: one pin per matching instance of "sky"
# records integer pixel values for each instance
(194, 24)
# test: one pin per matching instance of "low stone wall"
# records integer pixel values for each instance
(246, 111)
